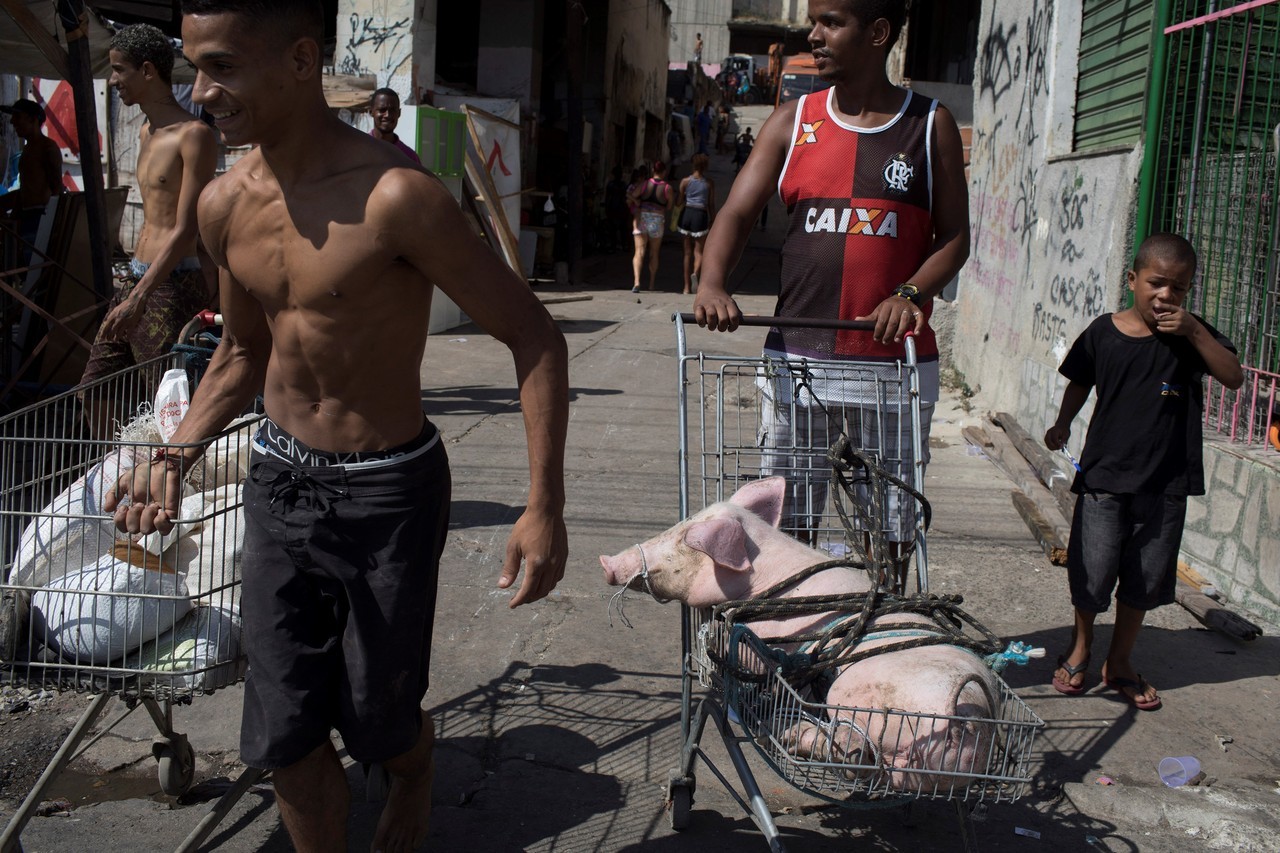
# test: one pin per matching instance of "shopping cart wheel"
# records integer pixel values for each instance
(175, 763)
(680, 801)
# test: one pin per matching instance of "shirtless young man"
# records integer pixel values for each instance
(177, 154)
(39, 168)
(874, 177)
(328, 243)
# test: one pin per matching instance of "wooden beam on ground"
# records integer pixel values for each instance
(1191, 577)
(1000, 450)
(977, 436)
(1054, 547)
(1042, 462)
(1215, 616)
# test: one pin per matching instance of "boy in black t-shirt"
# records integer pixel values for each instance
(1141, 459)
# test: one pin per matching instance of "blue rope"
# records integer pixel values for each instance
(1017, 652)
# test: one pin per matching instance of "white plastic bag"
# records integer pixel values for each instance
(70, 532)
(173, 398)
(205, 549)
(108, 609)
(202, 652)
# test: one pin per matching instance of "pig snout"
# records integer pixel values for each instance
(616, 570)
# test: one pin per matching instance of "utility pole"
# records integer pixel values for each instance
(75, 23)
(575, 17)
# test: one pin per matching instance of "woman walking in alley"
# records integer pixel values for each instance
(698, 197)
(653, 199)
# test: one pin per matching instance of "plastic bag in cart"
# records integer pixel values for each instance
(204, 551)
(73, 529)
(106, 610)
(173, 398)
(202, 652)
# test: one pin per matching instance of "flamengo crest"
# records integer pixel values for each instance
(898, 172)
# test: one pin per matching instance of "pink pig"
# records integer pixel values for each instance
(733, 550)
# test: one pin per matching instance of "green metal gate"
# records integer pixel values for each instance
(1216, 176)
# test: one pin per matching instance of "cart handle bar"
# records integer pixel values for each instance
(791, 322)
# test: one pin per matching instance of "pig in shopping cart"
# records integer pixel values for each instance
(733, 550)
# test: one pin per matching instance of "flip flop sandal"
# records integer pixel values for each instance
(1066, 687)
(1123, 685)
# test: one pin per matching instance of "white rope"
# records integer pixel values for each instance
(615, 600)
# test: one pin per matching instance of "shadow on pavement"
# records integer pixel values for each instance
(565, 742)
(479, 400)
(1084, 732)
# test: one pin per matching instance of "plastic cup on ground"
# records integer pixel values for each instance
(1176, 772)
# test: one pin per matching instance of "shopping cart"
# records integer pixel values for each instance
(151, 620)
(855, 491)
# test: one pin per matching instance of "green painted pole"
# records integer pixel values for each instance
(1152, 126)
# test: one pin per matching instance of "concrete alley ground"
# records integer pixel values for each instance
(557, 730)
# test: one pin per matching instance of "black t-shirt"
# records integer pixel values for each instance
(1145, 433)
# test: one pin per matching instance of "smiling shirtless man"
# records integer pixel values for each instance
(328, 243)
(177, 154)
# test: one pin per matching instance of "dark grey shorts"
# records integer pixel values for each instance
(1125, 543)
(339, 594)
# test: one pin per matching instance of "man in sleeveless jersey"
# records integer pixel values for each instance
(873, 178)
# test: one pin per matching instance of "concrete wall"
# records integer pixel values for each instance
(1232, 536)
(635, 69)
(510, 60)
(709, 17)
(957, 97)
(377, 37)
(1050, 228)
(790, 11)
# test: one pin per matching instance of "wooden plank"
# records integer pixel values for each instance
(480, 181)
(1054, 548)
(1041, 460)
(1191, 577)
(41, 38)
(1215, 616)
(492, 200)
(1000, 450)
(977, 436)
(1007, 458)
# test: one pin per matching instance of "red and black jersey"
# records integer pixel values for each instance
(860, 202)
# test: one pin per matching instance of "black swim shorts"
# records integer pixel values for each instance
(339, 594)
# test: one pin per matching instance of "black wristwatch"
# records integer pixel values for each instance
(909, 291)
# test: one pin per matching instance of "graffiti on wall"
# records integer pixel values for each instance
(1036, 244)
(374, 44)
(1012, 79)
(1076, 291)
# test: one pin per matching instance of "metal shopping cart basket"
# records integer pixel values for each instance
(854, 489)
(152, 620)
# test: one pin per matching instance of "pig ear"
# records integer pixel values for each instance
(721, 539)
(763, 497)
